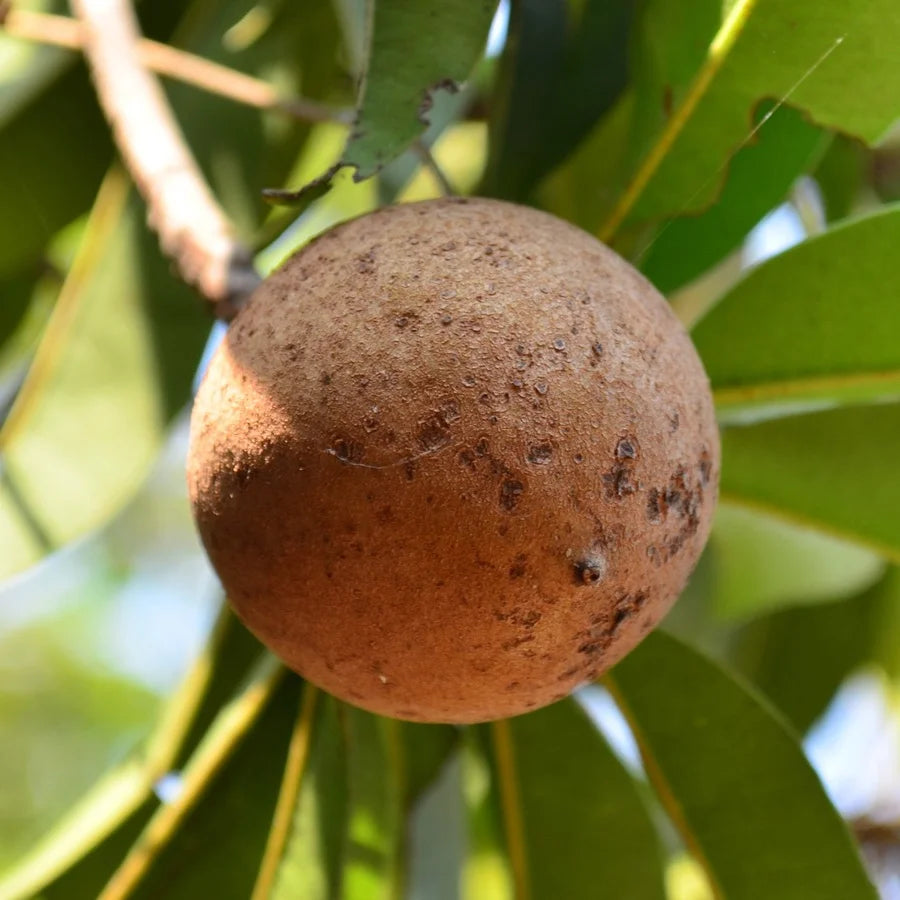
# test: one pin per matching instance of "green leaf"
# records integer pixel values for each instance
(15, 294)
(447, 109)
(217, 844)
(668, 46)
(826, 296)
(841, 175)
(63, 729)
(573, 816)
(799, 657)
(348, 802)
(550, 88)
(77, 857)
(373, 866)
(487, 870)
(734, 780)
(414, 50)
(759, 177)
(54, 151)
(585, 187)
(54, 142)
(310, 865)
(833, 61)
(437, 838)
(425, 750)
(834, 471)
(114, 365)
(240, 149)
(761, 562)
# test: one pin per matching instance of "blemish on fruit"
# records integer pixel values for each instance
(511, 491)
(540, 454)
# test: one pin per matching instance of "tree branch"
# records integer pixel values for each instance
(193, 229)
(63, 31)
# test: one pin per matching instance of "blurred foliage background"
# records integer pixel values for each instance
(768, 218)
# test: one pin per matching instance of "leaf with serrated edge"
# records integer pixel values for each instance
(414, 50)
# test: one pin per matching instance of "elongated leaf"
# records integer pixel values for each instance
(668, 48)
(53, 153)
(437, 838)
(77, 857)
(840, 175)
(800, 657)
(216, 848)
(311, 862)
(414, 50)
(572, 814)
(346, 833)
(835, 471)
(837, 337)
(762, 562)
(734, 780)
(487, 869)
(114, 365)
(373, 867)
(567, 60)
(835, 66)
(585, 187)
(446, 109)
(759, 177)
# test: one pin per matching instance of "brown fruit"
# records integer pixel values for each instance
(454, 459)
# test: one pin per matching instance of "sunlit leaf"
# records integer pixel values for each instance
(734, 780)
(115, 363)
(375, 827)
(486, 872)
(835, 338)
(800, 657)
(310, 865)
(216, 846)
(76, 858)
(573, 816)
(414, 50)
(759, 177)
(833, 61)
(64, 720)
(835, 471)
(761, 562)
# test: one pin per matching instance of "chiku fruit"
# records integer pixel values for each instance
(454, 459)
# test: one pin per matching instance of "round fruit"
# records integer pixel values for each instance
(454, 459)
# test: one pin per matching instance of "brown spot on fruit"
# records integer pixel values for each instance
(540, 454)
(511, 491)
(524, 501)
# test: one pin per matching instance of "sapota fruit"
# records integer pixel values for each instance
(454, 459)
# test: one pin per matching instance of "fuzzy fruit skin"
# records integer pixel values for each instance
(454, 459)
